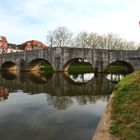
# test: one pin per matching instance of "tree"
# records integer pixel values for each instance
(93, 40)
(138, 46)
(50, 38)
(109, 41)
(60, 37)
(81, 40)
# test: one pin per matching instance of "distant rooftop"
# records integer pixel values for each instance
(3, 39)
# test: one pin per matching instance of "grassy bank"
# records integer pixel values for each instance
(126, 108)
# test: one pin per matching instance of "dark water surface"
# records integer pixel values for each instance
(61, 107)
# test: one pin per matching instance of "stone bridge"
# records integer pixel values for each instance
(60, 58)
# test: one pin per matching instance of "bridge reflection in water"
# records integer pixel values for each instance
(31, 109)
(116, 77)
(57, 84)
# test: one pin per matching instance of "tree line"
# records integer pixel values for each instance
(63, 37)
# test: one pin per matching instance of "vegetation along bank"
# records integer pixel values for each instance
(121, 119)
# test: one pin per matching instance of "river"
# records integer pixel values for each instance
(58, 107)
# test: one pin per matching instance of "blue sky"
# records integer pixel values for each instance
(22, 20)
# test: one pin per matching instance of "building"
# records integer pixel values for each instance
(3, 44)
(6, 47)
(13, 48)
(31, 45)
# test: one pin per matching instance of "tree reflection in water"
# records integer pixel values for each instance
(83, 100)
(63, 102)
(60, 103)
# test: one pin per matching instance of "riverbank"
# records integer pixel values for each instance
(121, 119)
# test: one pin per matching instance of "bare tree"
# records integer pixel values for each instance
(81, 40)
(138, 46)
(50, 39)
(59, 37)
(110, 41)
(94, 40)
(131, 45)
(125, 45)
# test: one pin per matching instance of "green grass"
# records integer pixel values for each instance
(81, 67)
(47, 70)
(75, 67)
(117, 68)
(126, 108)
(46, 66)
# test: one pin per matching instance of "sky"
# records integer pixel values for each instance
(22, 20)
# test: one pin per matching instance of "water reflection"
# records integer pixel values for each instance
(59, 88)
(37, 77)
(115, 77)
(57, 85)
(52, 108)
(81, 78)
(3, 93)
(84, 100)
(60, 103)
(9, 75)
(64, 102)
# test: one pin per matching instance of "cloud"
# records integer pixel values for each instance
(31, 19)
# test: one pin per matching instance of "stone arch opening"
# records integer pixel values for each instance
(79, 70)
(78, 65)
(9, 66)
(119, 67)
(39, 64)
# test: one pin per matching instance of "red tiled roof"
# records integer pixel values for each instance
(32, 43)
(3, 39)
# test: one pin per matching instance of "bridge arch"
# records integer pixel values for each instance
(9, 66)
(124, 66)
(39, 64)
(74, 60)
